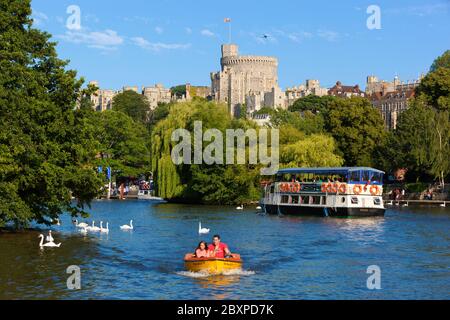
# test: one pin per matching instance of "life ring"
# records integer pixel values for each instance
(284, 187)
(334, 188)
(357, 189)
(324, 188)
(342, 188)
(297, 187)
(329, 188)
(374, 190)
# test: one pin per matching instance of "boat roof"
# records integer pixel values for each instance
(331, 170)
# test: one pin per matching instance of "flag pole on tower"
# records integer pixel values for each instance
(228, 20)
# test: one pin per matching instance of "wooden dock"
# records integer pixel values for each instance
(406, 202)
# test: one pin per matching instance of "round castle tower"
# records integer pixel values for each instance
(242, 75)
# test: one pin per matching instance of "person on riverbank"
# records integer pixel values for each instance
(202, 250)
(219, 249)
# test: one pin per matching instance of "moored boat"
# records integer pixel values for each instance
(342, 192)
(212, 265)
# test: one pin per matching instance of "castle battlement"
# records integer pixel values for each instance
(228, 61)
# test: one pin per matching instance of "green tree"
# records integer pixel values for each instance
(435, 89)
(421, 143)
(441, 62)
(313, 103)
(357, 128)
(46, 151)
(132, 104)
(122, 143)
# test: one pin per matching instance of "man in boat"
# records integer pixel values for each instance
(219, 249)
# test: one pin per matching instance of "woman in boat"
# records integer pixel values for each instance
(202, 250)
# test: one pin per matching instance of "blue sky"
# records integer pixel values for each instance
(142, 42)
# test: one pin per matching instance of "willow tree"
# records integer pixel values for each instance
(165, 173)
(46, 151)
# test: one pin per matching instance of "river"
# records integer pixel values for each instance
(284, 257)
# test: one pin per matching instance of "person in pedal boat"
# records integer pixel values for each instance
(219, 249)
(202, 250)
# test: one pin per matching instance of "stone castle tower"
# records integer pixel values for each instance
(241, 76)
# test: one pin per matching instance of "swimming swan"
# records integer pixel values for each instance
(93, 228)
(202, 230)
(127, 227)
(48, 244)
(81, 225)
(240, 208)
(103, 230)
(49, 238)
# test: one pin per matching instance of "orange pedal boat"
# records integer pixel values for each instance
(212, 265)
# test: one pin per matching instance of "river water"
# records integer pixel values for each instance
(284, 257)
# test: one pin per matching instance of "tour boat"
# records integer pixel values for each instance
(212, 265)
(342, 192)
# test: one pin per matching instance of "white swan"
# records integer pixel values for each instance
(48, 244)
(240, 208)
(93, 228)
(405, 205)
(84, 230)
(443, 205)
(103, 230)
(81, 224)
(202, 230)
(49, 238)
(258, 208)
(127, 227)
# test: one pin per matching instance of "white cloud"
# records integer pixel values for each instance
(104, 40)
(188, 30)
(421, 10)
(328, 35)
(298, 37)
(39, 18)
(158, 46)
(159, 30)
(207, 33)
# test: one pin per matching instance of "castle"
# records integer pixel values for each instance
(242, 77)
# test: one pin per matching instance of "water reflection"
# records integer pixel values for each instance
(360, 229)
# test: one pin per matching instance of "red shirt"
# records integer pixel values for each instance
(221, 250)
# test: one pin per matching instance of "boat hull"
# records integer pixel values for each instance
(323, 212)
(212, 265)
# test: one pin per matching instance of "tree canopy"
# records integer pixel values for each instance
(441, 62)
(132, 104)
(46, 151)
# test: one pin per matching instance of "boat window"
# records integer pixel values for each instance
(377, 178)
(272, 189)
(284, 199)
(316, 200)
(295, 199)
(365, 176)
(355, 176)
